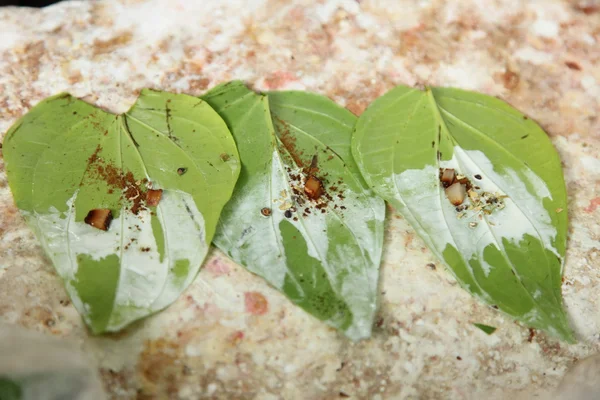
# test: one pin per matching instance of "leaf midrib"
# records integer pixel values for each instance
(437, 138)
(186, 155)
(333, 210)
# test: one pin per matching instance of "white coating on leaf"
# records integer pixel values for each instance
(184, 228)
(261, 249)
(241, 230)
(521, 201)
(358, 273)
(145, 283)
(436, 218)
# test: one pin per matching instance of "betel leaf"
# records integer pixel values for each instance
(506, 242)
(322, 250)
(164, 170)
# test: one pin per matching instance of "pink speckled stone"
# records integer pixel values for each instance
(541, 56)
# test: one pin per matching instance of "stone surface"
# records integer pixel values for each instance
(542, 56)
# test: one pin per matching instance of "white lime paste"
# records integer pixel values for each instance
(145, 283)
(261, 249)
(436, 218)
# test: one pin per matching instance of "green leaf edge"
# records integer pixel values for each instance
(485, 328)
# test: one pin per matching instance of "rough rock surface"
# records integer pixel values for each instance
(541, 56)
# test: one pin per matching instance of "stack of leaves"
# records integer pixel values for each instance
(291, 186)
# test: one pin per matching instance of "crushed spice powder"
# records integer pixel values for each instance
(132, 190)
(480, 202)
(312, 190)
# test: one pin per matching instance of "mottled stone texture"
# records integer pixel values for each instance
(541, 56)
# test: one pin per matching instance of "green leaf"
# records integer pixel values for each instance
(9, 389)
(510, 252)
(323, 254)
(65, 158)
(486, 328)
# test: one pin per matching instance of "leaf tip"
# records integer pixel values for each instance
(485, 328)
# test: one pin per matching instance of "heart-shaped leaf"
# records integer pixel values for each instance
(482, 185)
(301, 216)
(124, 205)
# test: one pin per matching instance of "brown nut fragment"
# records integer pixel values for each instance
(313, 188)
(99, 218)
(447, 176)
(153, 197)
(456, 193)
(463, 179)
